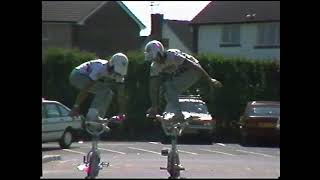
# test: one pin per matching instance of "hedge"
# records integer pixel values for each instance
(243, 80)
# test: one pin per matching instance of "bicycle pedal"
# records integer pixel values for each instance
(105, 164)
(163, 168)
(164, 152)
(180, 167)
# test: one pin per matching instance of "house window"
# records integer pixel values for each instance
(268, 35)
(230, 35)
(45, 32)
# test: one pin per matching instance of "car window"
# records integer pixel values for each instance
(195, 107)
(52, 110)
(64, 112)
(265, 111)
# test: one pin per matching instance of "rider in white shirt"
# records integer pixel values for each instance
(97, 77)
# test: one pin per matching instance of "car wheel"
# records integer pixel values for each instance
(66, 140)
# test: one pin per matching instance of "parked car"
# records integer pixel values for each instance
(203, 123)
(261, 119)
(57, 125)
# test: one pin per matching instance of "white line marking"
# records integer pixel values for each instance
(109, 144)
(153, 142)
(188, 152)
(112, 151)
(144, 150)
(221, 144)
(255, 153)
(87, 146)
(217, 152)
(74, 151)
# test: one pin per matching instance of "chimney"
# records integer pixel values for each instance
(156, 26)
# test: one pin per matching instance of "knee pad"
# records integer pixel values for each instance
(92, 114)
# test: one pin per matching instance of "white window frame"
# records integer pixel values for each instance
(268, 34)
(232, 31)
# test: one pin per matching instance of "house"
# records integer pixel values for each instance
(238, 28)
(102, 27)
(174, 34)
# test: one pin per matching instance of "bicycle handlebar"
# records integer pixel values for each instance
(114, 119)
(178, 124)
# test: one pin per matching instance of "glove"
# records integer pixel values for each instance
(119, 118)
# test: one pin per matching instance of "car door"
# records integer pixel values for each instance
(74, 122)
(65, 118)
(53, 124)
(45, 136)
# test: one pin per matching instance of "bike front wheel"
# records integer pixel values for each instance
(94, 161)
(173, 162)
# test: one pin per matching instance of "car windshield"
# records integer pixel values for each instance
(265, 111)
(195, 107)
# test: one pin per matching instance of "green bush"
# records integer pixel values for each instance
(243, 80)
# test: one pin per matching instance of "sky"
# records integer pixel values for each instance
(174, 10)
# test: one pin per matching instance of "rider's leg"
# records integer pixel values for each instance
(103, 95)
(177, 85)
(102, 99)
(101, 90)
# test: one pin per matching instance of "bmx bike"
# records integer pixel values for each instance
(173, 130)
(91, 162)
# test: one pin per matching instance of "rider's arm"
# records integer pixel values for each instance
(198, 67)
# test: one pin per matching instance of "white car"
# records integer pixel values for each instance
(203, 123)
(57, 125)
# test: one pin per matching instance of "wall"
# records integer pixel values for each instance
(108, 31)
(209, 41)
(174, 41)
(59, 35)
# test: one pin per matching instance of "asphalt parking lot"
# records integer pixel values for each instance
(144, 159)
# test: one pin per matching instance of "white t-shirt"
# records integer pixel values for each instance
(173, 60)
(97, 69)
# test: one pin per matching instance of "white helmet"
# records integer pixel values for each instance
(152, 49)
(120, 63)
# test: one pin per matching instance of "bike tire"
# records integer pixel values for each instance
(173, 162)
(94, 161)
